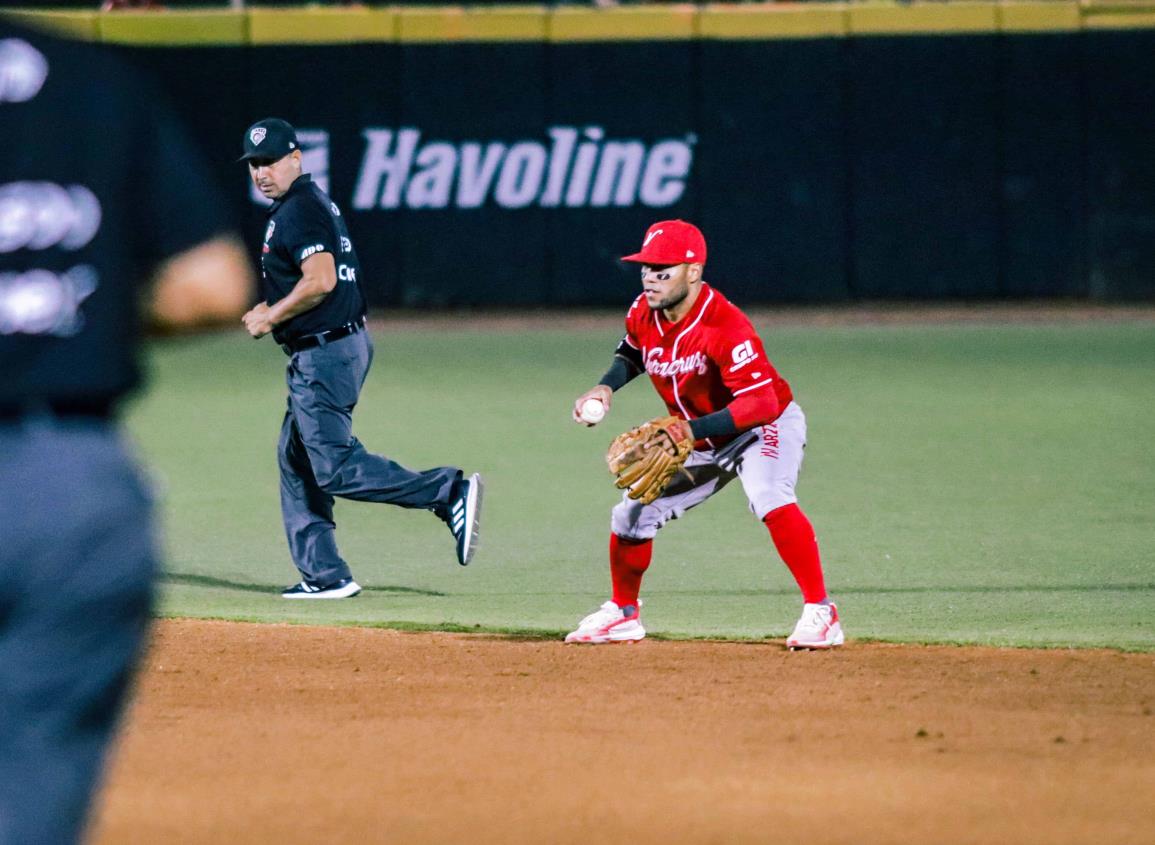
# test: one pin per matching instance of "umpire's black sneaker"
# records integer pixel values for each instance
(464, 516)
(346, 588)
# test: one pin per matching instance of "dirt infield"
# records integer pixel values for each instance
(281, 734)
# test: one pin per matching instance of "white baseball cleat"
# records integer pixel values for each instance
(818, 628)
(609, 624)
(345, 588)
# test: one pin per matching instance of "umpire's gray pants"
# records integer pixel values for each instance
(320, 458)
(77, 562)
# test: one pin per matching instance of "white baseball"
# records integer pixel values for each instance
(593, 410)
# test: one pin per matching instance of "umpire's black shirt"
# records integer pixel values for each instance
(302, 222)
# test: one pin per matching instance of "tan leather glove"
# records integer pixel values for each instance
(645, 458)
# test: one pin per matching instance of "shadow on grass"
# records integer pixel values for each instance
(191, 580)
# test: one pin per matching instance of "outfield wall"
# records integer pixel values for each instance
(506, 155)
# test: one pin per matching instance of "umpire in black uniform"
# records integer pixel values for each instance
(88, 154)
(315, 309)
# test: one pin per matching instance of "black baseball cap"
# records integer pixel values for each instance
(271, 138)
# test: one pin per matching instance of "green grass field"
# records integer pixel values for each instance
(969, 484)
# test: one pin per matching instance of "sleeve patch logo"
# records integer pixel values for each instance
(312, 250)
(743, 354)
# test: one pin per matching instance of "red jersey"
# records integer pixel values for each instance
(706, 360)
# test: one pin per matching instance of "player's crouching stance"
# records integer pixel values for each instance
(708, 365)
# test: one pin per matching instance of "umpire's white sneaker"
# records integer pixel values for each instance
(464, 516)
(609, 624)
(346, 588)
(818, 628)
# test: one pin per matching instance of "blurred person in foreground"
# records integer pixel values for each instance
(100, 191)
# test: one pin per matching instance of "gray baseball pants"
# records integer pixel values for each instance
(321, 459)
(77, 562)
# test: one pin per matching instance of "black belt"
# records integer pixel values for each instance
(58, 408)
(321, 338)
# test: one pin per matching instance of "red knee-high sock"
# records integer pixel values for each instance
(629, 560)
(793, 536)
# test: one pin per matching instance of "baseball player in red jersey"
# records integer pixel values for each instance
(707, 363)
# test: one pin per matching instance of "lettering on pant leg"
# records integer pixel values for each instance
(770, 440)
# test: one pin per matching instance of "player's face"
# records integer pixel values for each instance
(274, 177)
(665, 286)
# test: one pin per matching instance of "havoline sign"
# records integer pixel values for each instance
(570, 167)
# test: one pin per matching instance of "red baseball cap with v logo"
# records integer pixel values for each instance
(671, 242)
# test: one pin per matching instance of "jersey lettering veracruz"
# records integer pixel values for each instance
(700, 364)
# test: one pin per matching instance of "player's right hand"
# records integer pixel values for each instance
(600, 392)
